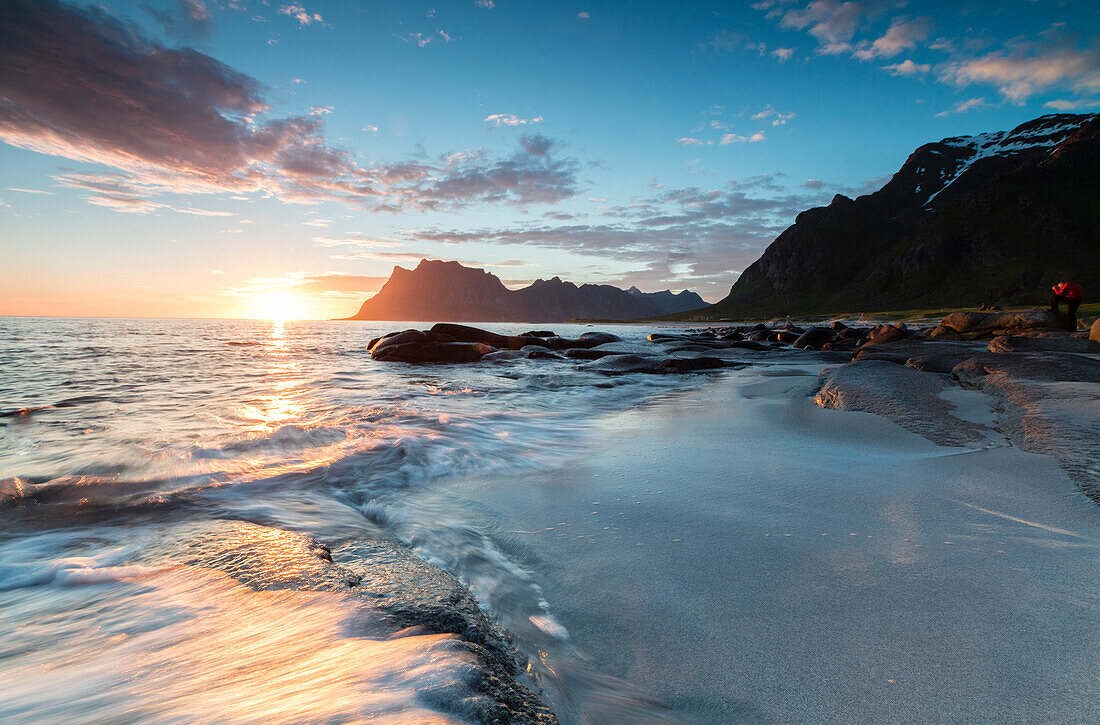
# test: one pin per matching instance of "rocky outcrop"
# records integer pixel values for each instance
(906, 396)
(393, 587)
(447, 290)
(986, 325)
(995, 218)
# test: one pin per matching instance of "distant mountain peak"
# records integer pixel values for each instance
(990, 218)
(448, 291)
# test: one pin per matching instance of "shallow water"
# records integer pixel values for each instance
(699, 548)
(119, 435)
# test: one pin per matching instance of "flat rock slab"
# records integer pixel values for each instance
(1050, 404)
(985, 325)
(908, 397)
(1012, 343)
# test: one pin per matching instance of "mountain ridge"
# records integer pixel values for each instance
(991, 218)
(448, 291)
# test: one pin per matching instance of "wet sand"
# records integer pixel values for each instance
(745, 556)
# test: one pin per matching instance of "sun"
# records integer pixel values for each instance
(278, 306)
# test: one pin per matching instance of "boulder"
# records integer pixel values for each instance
(814, 338)
(785, 336)
(502, 356)
(1094, 337)
(426, 351)
(620, 364)
(539, 333)
(465, 333)
(732, 337)
(585, 353)
(542, 354)
(598, 338)
(887, 333)
(984, 325)
(759, 336)
(749, 345)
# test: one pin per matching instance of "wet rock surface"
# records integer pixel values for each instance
(985, 325)
(906, 396)
(410, 595)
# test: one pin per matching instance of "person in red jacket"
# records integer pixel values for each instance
(1071, 293)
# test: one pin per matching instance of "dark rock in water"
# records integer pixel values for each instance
(598, 338)
(787, 336)
(749, 345)
(620, 364)
(584, 353)
(732, 336)
(837, 325)
(759, 336)
(465, 333)
(887, 333)
(503, 356)
(1037, 344)
(1094, 337)
(542, 354)
(539, 333)
(432, 352)
(688, 365)
(627, 363)
(814, 338)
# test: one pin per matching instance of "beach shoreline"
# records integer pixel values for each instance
(839, 568)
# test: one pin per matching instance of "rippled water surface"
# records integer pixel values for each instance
(120, 437)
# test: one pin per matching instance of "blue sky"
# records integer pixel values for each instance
(204, 157)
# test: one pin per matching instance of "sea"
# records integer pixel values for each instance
(171, 491)
(244, 521)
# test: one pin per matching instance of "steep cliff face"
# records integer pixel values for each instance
(991, 218)
(450, 292)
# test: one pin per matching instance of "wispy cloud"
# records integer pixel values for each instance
(510, 119)
(299, 13)
(964, 106)
(907, 68)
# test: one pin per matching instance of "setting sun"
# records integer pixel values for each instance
(278, 306)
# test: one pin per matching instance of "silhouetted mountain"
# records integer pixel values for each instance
(992, 218)
(671, 302)
(450, 292)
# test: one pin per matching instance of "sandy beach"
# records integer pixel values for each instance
(741, 555)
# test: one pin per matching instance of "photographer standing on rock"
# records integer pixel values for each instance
(1071, 293)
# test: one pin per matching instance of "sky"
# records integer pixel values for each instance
(255, 158)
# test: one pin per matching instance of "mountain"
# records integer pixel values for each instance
(670, 302)
(450, 292)
(993, 218)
